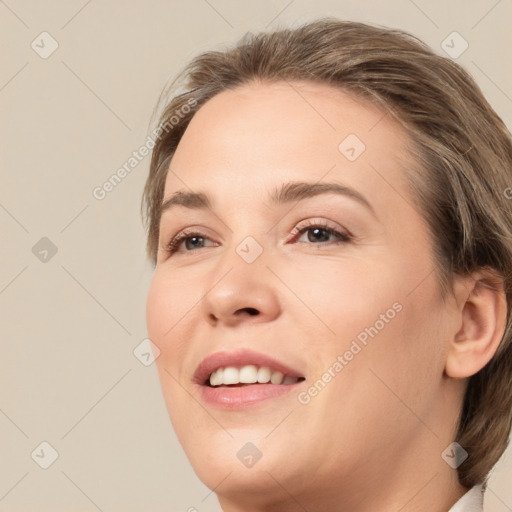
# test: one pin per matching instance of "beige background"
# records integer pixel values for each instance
(68, 375)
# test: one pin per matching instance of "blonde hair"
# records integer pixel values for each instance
(463, 149)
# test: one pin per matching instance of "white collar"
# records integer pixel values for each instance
(472, 501)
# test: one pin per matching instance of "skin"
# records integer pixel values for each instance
(372, 438)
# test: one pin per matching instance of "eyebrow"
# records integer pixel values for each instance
(286, 193)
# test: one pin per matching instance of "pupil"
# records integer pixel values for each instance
(316, 230)
(194, 238)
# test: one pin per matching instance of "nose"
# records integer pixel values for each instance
(241, 292)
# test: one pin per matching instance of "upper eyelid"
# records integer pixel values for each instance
(311, 221)
(314, 221)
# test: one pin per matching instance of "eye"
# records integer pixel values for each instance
(319, 233)
(320, 230)
(196, 239)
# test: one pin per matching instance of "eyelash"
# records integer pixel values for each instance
(343, 238)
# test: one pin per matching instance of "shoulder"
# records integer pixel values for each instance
(472, 501)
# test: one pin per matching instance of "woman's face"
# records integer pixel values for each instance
(334, 289)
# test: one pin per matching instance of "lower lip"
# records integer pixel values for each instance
(244, 396)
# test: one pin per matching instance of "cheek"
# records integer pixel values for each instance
(378, 324)
(168, 312)
(348, 297)
(160, 308)
(168, 304)
(154, 315)
(404, 360)
(397, 370)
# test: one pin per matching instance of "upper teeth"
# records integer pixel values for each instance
(249, 374)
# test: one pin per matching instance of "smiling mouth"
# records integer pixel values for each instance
(232, 376)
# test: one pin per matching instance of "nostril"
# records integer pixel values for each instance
(251, 311)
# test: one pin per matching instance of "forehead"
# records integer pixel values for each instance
(250, 139)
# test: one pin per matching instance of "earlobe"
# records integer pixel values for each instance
(482, 316)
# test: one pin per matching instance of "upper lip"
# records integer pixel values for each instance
(238, 359)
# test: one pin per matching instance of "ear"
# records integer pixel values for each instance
(482, 317)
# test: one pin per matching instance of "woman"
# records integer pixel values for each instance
(365, 369)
